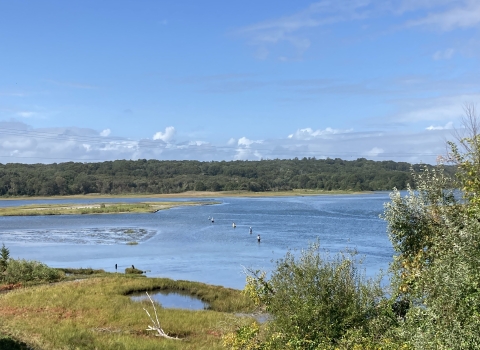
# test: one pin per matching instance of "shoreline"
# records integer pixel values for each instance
(195, 194)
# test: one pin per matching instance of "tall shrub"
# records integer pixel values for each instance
(312, 301)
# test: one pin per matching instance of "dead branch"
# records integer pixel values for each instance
(156, 324)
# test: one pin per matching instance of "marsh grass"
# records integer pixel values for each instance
(82, 209)
(81, 271)
(132, 270)
(98, 313)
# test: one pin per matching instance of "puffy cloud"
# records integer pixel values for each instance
(105, 133)
(165, 136)
(245, 151)
(246, 142)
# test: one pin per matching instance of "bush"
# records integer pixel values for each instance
(313, 302)
(21, 271)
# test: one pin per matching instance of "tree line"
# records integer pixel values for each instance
(159, 177)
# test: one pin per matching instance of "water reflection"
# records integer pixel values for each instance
(172, 299)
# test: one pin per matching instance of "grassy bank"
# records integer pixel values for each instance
(99, 208)
(98, 313)
(198, 194)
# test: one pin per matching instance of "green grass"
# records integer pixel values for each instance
(98, 313)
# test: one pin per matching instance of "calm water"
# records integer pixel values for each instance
(182, 243)
(172, 299)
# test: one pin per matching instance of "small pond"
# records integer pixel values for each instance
(172, 299)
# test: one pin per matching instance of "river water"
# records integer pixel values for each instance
(182, 243)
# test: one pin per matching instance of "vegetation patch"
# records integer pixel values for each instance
(82, 209)
(98, 313)
(132, 270)
(81, 271)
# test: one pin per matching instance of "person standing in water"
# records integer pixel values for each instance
(258, 238)
(251, 230)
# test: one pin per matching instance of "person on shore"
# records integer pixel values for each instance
(115, 267)
(133, 267)
(258, 238)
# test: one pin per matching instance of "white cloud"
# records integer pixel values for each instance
(243, 141)
(165, 136)
(447, 126)
(467, 14)
(49, 145)
(288, 28)
(443, 55)
(246, 149)
(433, 109)
(197, 143)
(308, 133)
(232, 141)
(105, 132)
(374, 152)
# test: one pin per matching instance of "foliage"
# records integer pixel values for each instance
(313, 302)
(437, 266)
(4, 257)
(155, 177)
(21, 271)
(415, 224)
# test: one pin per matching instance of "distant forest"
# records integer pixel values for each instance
(156, 177)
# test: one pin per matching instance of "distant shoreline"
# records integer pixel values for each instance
(194, 194)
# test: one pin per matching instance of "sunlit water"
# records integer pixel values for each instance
(181, 243)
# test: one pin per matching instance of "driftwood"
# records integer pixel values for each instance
(156, 324)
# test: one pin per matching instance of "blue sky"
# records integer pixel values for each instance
(223, 80)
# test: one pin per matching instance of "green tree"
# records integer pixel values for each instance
(437, 240)
(4, 257)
